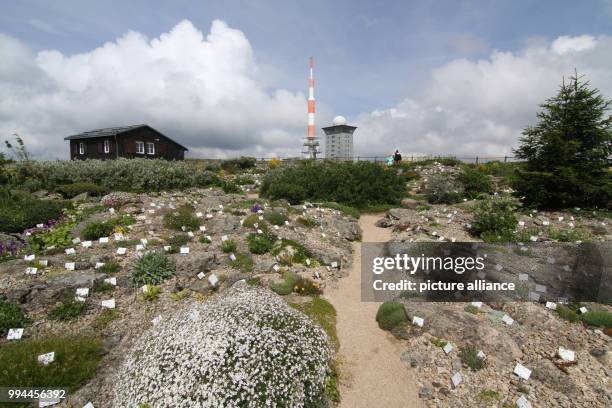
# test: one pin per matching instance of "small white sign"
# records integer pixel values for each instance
(523, 277)
(119, 237)
(286, 222)
(112, 281)
(46, 359)
(201, 275)
(261, 218)
(521, 223)
(103, 240)
(477, 304)
(209, 216)
(88, 405)
(31, 270)
(14, 334)
(83, 292)
(144, 241)
(202, 228)
(232, 257)
(481, 355)
(540, 288)
(456, 379)
(70, 251)
(99, 265)
(145, 288)
(30, 257)
(109, 304)
(190, 234)
(566, 354)
(184, 250)
(79, 299)
(583, 310)
(522, 371)
(448, 348)
(498, 267)
(418, 321)
(111, 210)
(121, 251)
(76, 240)
(86, 244)
(307, 261)
(276, 268)
(199, 215)
(545, 223)
(69, 266)
(551, 305)
(508, 320)
(212, 279)
(139, 247)
(44, 263)
(167, 248)
(259, 231)
(224, 238)
(40, 225)
(523, 402)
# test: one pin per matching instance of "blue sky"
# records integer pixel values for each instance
(371, 56)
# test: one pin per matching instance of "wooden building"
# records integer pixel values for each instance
(127, 142)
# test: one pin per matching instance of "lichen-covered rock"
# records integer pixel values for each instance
(247, 348)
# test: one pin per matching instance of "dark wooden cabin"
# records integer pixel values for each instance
(127, 142)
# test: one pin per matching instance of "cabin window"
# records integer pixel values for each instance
(81, 148)
(140, 147)
(106, 146)
(150, 148)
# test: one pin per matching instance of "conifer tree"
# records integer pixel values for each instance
(568, 151)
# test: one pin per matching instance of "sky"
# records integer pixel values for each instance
(229, 78)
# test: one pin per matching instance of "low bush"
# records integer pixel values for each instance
(275, 217)
(182, 217)
(243, 262)
(244, 180)
(178, 240)
(251, 220)
(568, 234)
(344, 209)
(229, 245)
(240, 163)
(274, 163)
(152, 293)
(120, 175)
(259, 243)
(73, 190)
(152, 269)
(357, 184)
(475, 183)
(306, 287)
(104, 318)
(11, 317)
(495, 219)
(102, 287)
(286, 286)
(20, 210)
(307, 222)
(323, 313)
(69, 309)
(110, 268)
(598, 318)
(204, 239)
(391, 314)
(291, 252)
(75, 363)
(568, 314)
(442, 189)
(469, 357)
(96, 229)
(230, 188)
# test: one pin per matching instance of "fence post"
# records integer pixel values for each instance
(505, 159)
(476, 159)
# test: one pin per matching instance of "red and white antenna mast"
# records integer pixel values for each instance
(311, 144)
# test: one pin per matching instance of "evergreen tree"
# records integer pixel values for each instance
(568, 151)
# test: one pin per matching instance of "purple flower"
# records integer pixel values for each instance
(256, 208)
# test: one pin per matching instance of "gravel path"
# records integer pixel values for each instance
(373, 375)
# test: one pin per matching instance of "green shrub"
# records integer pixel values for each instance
(75, 363)
(97, 229)
(251, 220)
(240, 163)
(20, 210)
(73, 190)
(204, 239)
(344, 209)
(259, 243)
(243, 262)
(567, 314)
(102, 287)
(357, 184)
(600, 319)
(229, 245)
(300, 253)
(244, 180)
(286, 286)
(152, 293)
(323, 313)
(475, 183)
(275, 217)
(69, 309)
(391, 314)
(495, 219)
(442, 189)
(306, 287)
(438, 342)
(230, 188)
(489, 397)
(568, 234)
(182, 217)
(104, 318)
(110, 267)
(307, 222)
(469, 357)
(152, 269)
(178, 240)
(472, 309)
(121, 175)
(11, 317)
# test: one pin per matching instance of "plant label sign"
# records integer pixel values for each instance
(551, 305)
(31, 270)
(448, 348)
(112, 281)
(456, 379)
(29, 257)
(139, 247)
(522, 371)
(540, 288)
(69, 266)
(201, 275)
(46, 359)
(523, 402)
(202, 228)
(88, 405)
(477, 304)
(99, 265)
(14, 334)
(276, 268)
(566, 355)
(44, 263)
(232, 257)
(86, 244)
(418, 321)
(523, 277)
(167, 248)
(83, 292)
(508, 320)
(213, 280)
(184, 250)
(121, 251)
(103, 240)
(583, 310)
(70, 251)
(109, 304)
(76, 241)
(224, 238)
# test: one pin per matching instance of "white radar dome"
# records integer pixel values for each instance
(339, 120)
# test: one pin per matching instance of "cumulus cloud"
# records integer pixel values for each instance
(479, 108)
(202, 90)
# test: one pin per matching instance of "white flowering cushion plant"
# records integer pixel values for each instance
(247, 348)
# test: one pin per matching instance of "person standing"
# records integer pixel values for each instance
(397, 158)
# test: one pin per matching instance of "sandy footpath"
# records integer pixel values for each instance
(373, 375)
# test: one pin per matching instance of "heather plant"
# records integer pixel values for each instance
(96, 229)
(443, 189)
(182, 219)
(475, 183)
(69, 309)
(72, 190)
(11, 317)
(121, 174)
(495, 219)
(152, 269)
(229, 245)
(275, 217)
(259, 243)
(357, 184)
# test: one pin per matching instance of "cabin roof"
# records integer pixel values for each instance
(115, 131)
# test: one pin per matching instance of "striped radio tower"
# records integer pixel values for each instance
(311, 145)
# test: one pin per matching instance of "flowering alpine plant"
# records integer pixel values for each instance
(256, 208)
(246, 348)
(10, 248)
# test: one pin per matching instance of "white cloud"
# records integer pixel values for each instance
(202, 90)
(471, 108)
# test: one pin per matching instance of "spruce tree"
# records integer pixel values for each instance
(568, 151)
